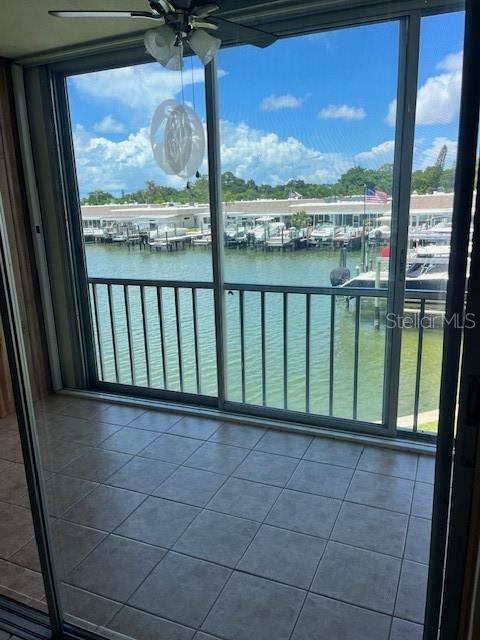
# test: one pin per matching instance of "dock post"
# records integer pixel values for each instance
(376, 317)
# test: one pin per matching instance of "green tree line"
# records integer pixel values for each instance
(352, 182)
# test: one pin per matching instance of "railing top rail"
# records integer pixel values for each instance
(326, 291)
(363, 292)
(134, 282)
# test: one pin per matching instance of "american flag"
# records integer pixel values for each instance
(372, 195)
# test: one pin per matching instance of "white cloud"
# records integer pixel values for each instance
(438, 99)
(427, 157)
(381, 153)
(452, 62)
(115, 166)
(250, 153)
(109, 125)
(265, 157)
(342, 112)
(391, 116)
(287, 101)
(141, 88)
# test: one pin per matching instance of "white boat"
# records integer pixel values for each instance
(284, 238)
(90, 232)
(437, 234)
(380, 235)
(203, 241)
(322, 233)
(423, 272)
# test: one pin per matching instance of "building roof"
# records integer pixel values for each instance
(440, 203)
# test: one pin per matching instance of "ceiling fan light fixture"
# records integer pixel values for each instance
(204, 45)
(160, 44)
(175, 63)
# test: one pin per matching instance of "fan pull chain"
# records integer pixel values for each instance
(193, 82)
(197, 173)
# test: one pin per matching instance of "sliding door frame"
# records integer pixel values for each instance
(402, 180)
(25, 411)
(409, 22)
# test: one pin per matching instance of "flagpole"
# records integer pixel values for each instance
(363, 226)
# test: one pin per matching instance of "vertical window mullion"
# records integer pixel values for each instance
(25, 413)
(402, 176)
(216, 222)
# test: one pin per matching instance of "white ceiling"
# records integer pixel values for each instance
(26, 27)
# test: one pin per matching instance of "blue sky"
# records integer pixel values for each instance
(306, 107)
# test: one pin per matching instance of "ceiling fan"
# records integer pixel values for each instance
(179, 25)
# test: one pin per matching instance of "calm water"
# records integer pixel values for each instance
(295, 268)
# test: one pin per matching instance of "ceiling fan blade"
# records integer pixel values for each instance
(107, 14)
(250, 35)
(167, 6)
(205, 10)
(200, 24)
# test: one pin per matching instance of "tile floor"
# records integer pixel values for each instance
(20, 577)
(187, 528)
(6, 636)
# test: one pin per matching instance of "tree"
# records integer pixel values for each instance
(300, 219)
(98, 197)
(351, 183)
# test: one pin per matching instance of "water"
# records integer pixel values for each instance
(293, 268)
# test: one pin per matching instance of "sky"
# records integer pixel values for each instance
(308, 107)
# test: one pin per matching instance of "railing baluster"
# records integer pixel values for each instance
(179, 337)
(332, 354)
(114, 334)
(97, 327)
(419, 367)
(285, 350)
(105, 326)
(145, 336)
(241, 308)
(129, 333)
(264, 348)
(195, 339)
(162, 336)
(356, 354)
(307, 351)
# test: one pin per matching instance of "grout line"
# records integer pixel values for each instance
(254, 537)
(403, 552)
(258, 528)
(327, 542)
(205, 508)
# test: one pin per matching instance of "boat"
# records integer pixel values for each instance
(322, 234)
(380, 234)
(203, 241)
(91, 234)
(427, 271)
(437, 234)
(284, 238)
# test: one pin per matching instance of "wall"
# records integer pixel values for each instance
(7, 405)
(22, 251)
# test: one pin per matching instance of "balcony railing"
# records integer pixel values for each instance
(315, 350)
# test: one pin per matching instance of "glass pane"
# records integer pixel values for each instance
(142, 222)
(431, 204)
(20, 576)
(307, 160)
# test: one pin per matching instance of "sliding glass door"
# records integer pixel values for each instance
(295, 287)
(145, 233)
(322, 191)
(307, 178)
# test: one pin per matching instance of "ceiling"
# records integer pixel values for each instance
(26, 29)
